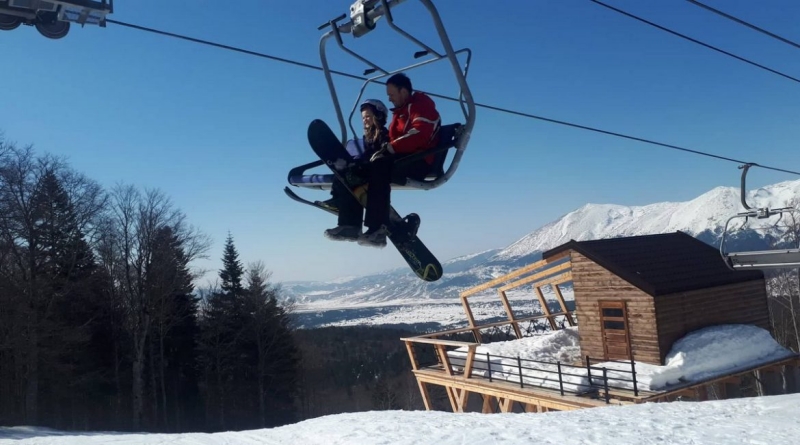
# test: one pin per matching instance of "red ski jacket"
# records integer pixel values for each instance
(415, 126)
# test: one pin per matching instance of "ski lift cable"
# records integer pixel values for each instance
(745, 23)
(693, 40)
(489, 107)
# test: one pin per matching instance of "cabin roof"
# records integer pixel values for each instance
(660, 264)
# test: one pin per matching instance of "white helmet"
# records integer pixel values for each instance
(377, 105)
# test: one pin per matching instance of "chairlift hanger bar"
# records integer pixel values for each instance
(364, 14)
(764, 259)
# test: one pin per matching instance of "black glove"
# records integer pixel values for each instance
(385, 150)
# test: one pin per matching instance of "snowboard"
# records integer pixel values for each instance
(402, 231)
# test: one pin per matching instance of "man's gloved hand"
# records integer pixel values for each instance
(385, 150)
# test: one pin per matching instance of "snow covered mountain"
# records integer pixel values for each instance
(703, 217)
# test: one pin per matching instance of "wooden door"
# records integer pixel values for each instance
(614, 329)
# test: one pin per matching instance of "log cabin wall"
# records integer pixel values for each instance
(680, 313)
(593, 284)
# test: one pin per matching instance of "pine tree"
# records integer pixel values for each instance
(232, 271)
(219, 348)
(174, 329)
(272, 349)
(69, 316)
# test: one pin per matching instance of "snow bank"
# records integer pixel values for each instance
(702, 354)
(550, 348)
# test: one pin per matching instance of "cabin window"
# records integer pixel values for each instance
(614, 329)
(611, 312)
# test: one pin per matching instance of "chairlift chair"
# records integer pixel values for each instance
(52, 18)
(760, 259)
(364, 15)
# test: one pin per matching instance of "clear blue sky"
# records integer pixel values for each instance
(218, 131)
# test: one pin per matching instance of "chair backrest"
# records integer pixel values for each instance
(448, 136)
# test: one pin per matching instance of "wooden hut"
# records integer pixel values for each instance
(635, 296)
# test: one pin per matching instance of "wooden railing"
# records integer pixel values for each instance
(591, 379)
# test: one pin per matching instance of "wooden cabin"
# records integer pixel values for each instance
(635, 296)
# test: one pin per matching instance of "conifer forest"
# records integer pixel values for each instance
(103, 327)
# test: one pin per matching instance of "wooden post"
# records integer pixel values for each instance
(453, 404)
(462, 399)
(448, 368)
(759, 383)
(510, 313)
(487, 404)
(563, 304)
(471, 319)
(426, 397)
(470, 360)
(545, 309)
(412, 356)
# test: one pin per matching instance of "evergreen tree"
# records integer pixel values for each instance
(272, 349)
(174, 329)
(232, 271)
(220, 355)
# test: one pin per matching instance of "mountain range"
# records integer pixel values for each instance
(703, 217)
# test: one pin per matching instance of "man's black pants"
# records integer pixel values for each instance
(380, 173)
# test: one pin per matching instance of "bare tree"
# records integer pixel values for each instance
(131, 238)
(784, 284)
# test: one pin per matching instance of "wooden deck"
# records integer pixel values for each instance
(459, 382)
(534, 399)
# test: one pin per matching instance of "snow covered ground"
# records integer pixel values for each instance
(764, 420)
(702, 354)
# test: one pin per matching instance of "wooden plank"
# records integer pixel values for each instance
(505, 405)
(541, 275)
(509, 313)
(517, 273)
(448, 368)
(541, 396)
(412, 356)
(470, 359)
(461, 399)
(562, 303)
(487, 404)
(426, 397)
(468, 312)
(545, 309)
(453, 403)
(437, 341)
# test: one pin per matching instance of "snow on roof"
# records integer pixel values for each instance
(702, 354)
(764, 420)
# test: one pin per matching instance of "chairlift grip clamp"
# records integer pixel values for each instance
(359, 17)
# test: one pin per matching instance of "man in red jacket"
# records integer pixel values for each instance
(414, 128)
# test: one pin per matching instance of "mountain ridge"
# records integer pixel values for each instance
(703, 217)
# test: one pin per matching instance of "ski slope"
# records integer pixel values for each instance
(764, 420)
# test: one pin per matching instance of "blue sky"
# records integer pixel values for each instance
(218, 131)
